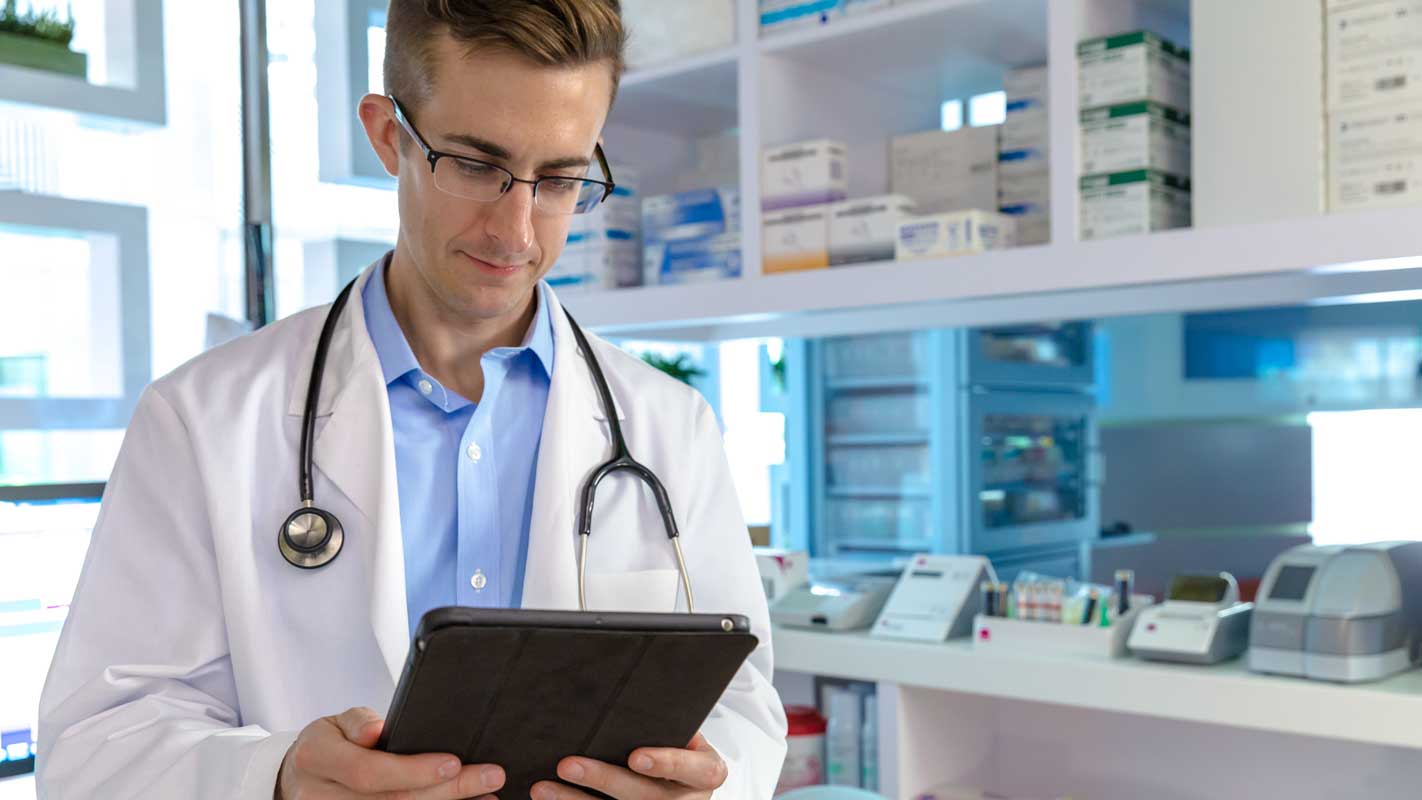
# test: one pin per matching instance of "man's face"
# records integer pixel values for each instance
(481, 260)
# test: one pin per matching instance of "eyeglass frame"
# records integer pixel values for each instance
(433, 156)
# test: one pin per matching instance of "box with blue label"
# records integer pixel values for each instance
(692, 260)
(691, 215)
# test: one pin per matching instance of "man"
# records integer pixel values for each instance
(456, 421)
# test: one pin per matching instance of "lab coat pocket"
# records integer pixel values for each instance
(640, 590)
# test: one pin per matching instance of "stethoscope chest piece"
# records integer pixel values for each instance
(310, 538)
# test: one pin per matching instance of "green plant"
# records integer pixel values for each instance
(44, 24)
(680, 367)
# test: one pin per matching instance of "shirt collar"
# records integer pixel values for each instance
(392, 348)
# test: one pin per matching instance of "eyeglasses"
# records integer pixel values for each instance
(473, 179)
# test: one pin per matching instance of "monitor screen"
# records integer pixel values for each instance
(1291, 583)
(43, 538)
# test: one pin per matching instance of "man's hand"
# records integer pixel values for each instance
(332, 760)
(655, 774)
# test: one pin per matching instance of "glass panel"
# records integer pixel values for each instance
(41, 552)
(899, 355)
(1033, 469)
(868, 525)
(76, 353)
(1051, 345)
(57, 456)
(879, 467)
(853, 413)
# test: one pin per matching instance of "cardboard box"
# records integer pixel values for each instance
(781, 571)
(1393, 77)
(795, 239)
(1132, 67)
(691, 215)
(946, 170)
(1135, 136)
(658, 31)
(804, 174)
(1381, 26)
(692, 260)
(865, 229)
(955, 234)
(1374, 158)
(1127, 203)
(1026, 84)
(1033, 225)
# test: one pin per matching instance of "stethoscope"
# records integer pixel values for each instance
(312, 537)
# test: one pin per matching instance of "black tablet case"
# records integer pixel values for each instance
(524, 689)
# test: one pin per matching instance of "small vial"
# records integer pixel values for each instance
(1125, 584)
(987, 599)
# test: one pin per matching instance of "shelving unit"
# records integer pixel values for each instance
(956, 713)
(137, 98)
(905, 61)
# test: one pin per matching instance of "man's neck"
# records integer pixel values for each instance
(448, 346)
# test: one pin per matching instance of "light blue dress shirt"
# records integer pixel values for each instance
(465, 471)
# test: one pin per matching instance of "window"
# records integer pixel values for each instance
(1365, 475)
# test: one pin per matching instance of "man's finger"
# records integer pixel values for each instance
(548, 790)
(331, 757)
(700, 767)
(607, 778)
(359, 725)
(473, 781)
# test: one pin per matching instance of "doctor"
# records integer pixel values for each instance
(456, 423)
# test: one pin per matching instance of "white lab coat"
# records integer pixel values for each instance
(193, 653)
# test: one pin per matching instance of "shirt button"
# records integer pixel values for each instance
(475, 453)
(425, 386)
(478, 581)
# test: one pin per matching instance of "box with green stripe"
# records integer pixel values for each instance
(1132, 136)
(1132, 67)
(1134, 202)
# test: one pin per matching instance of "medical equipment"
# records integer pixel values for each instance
(864, 230)
(1340, 613)
(946, 171)
(935, 598)
(1128, 203)
(312, 537)
(1200, 622)
(795, 239)
(781, 570)
(1141, 135)
(1132, 67)
(846, 603)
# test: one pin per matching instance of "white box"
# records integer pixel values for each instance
(1375, 158)
(1377, 27)
(1054, 639)
(1025, 128)
(795, 239)
(804, 174)
(1133, 202)
(1382, 78)
(1131, 67)
(865, 229)
(1028, 83)
(780, 16)
(1024, 178)
(1258, 130)
(658, 31)
(1134, 136)
(946, 171)
(955, 234)
(781, 571)
(1033, 226)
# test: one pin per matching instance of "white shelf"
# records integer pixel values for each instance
(1292, 261)
(940, 47)
(137, 60)
(694, 96)
(1383, 713)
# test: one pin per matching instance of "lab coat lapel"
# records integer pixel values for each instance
(355, 451)
(573, 418)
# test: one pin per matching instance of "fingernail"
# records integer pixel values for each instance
(493, 777)
(642, 763)
(573, 771)
(449, 768)
(542, 793)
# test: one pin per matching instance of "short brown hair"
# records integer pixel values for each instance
(555, 33)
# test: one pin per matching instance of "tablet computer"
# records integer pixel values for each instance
(525, 689)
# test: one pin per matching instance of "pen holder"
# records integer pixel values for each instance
(1002, 634)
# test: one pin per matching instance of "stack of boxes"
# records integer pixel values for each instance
(692, 236)
(1135, 135)
(1024, 179)
(798, 182)
(1374, 74)
(603, 249)
(951, 178)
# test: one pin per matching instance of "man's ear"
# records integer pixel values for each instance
(377, 116)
